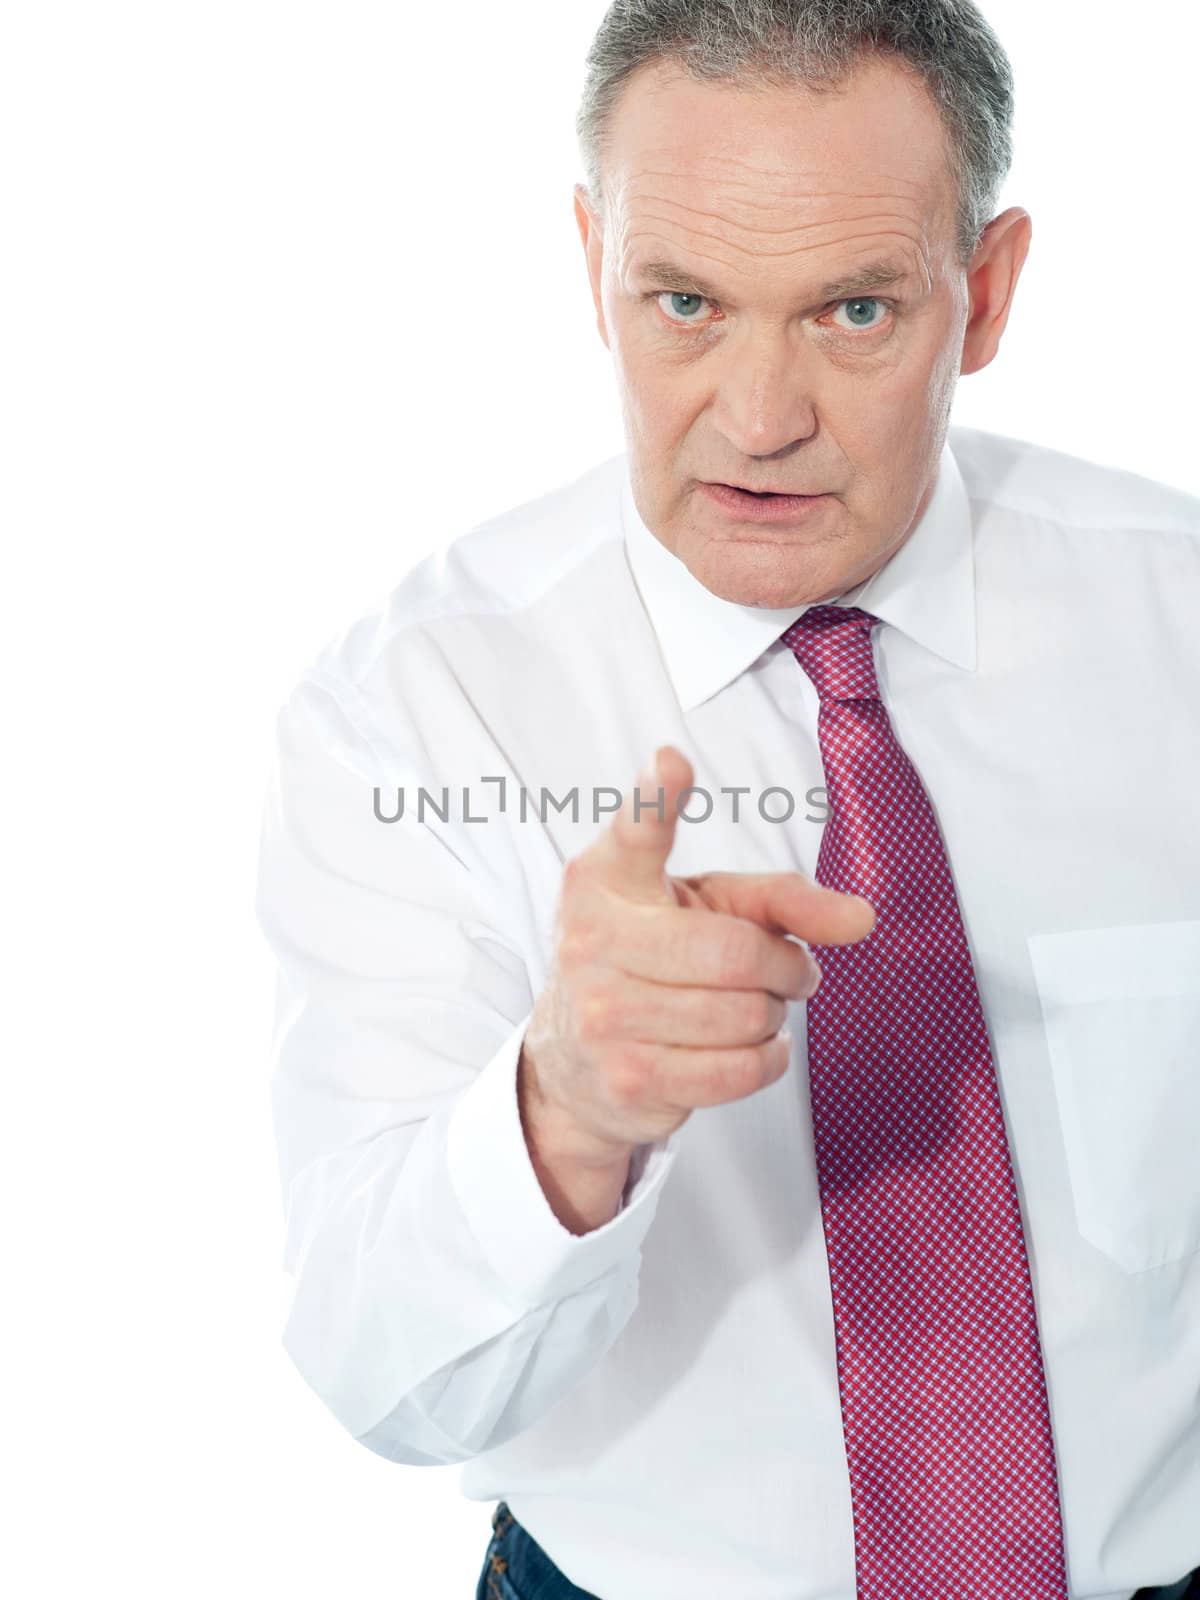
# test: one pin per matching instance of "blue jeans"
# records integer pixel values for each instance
(517, 1568)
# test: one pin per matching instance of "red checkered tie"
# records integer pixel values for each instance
(948, 1438)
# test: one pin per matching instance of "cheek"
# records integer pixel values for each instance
(888, 414)
(871, 416)
(660, 396)
(660, 401)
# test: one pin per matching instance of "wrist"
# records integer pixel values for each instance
(559, 1135)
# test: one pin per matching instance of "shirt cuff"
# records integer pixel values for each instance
(494, 1180)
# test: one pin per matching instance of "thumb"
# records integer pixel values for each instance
(630, 856)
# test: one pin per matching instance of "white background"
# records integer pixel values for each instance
(290, 293)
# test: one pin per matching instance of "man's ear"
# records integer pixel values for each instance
(591, 232)
(992, 275)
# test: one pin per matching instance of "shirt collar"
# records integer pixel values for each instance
(926, 589)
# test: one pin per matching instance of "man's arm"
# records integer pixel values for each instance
(433, 1239)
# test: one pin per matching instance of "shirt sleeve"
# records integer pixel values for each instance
(439, 1307)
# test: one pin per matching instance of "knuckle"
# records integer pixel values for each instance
(575, 947)
(576, 874)
(596, 1014)
(627, 1070)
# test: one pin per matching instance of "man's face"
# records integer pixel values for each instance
(739, 281)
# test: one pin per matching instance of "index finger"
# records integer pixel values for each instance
(789, 902)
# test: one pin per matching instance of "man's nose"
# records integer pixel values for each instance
(764, 401)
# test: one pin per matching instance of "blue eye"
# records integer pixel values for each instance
(861, 312)
(683, 307)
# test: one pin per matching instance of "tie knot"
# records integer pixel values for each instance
(833, 645)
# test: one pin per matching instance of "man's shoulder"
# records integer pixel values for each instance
(1048, 484)
(498, 567)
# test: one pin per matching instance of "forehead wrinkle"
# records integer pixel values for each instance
(792, 228)
(726, 236)
(693, 175)
(908, 253)
(632, 238)
(637, 200)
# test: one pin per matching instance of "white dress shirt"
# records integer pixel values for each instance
(657, 1400)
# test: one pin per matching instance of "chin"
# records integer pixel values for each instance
(750, 577)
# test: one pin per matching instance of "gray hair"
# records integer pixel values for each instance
(948, 43)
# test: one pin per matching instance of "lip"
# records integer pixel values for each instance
(746, 507)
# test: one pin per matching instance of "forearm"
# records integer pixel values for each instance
(407, 1330)
(433, 1274)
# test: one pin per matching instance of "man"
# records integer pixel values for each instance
(784, 1186)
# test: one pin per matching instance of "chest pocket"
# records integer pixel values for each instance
(1121, 1009)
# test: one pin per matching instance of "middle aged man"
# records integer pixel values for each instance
(724, 1284)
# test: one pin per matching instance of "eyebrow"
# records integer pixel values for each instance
(665, 275)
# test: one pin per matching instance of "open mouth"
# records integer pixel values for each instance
(767, 494)
(764, 505)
